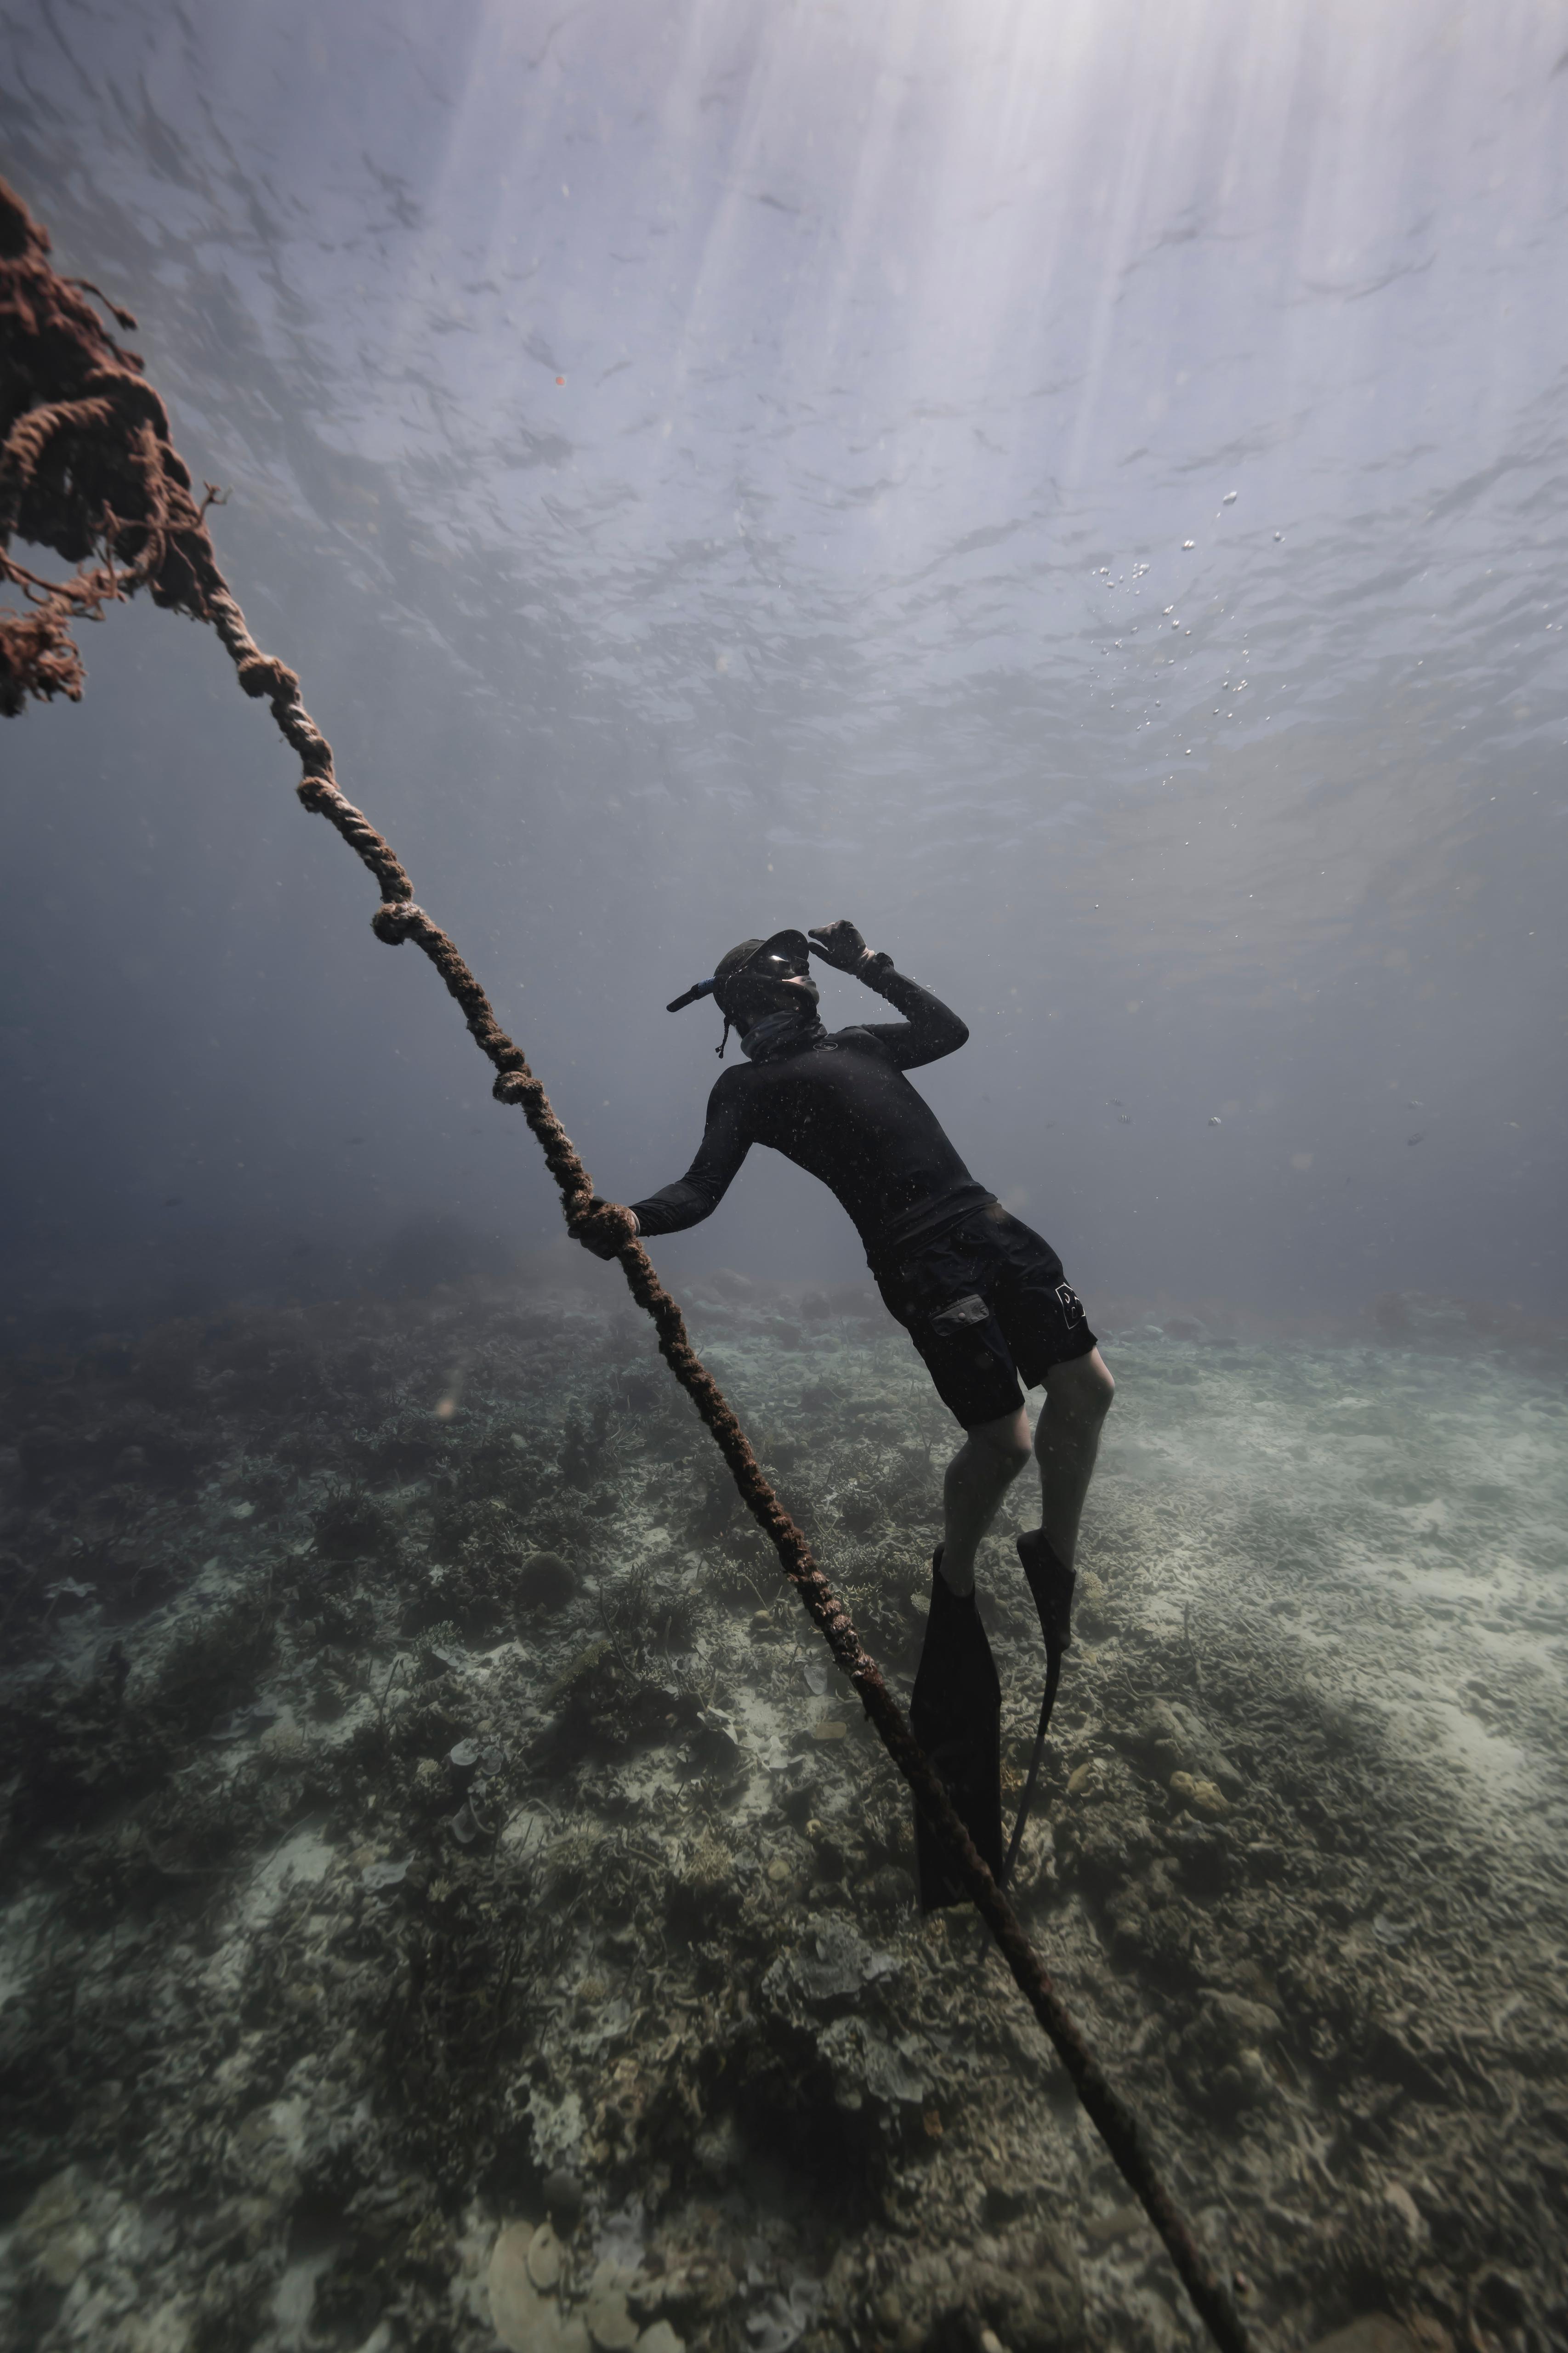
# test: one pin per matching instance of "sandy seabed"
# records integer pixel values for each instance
(448, 1898)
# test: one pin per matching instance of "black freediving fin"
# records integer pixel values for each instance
(1051, 1584)
(957, 1716)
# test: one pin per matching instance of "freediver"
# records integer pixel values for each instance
(984, 1299)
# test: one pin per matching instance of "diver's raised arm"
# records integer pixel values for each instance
(930, 1029)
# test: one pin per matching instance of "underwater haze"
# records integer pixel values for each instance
(1080, 490)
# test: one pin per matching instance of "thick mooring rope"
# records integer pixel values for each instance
(87, 468)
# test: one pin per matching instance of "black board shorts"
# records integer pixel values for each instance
(988, 1307)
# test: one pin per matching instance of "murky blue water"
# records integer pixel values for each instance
(1079, 490)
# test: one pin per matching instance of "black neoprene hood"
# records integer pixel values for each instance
(751, 957)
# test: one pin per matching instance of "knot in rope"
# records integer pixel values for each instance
(262, 674)
(395, 920)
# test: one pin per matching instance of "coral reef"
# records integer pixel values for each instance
(449, 1897)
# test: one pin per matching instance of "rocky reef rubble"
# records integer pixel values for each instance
(449, 1899)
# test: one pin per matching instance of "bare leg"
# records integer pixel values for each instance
(978, 1477)
(1067, 1440)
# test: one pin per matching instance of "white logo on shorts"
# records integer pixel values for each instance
(1071, 1304)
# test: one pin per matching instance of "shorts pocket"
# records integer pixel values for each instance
(959, 1315)
(921, 1287)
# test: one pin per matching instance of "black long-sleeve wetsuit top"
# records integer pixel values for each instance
(840, 1106)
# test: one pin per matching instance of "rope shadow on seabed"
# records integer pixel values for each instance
(88, 470)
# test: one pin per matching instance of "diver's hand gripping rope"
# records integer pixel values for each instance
(72, 389)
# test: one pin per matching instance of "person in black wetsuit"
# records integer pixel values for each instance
(984, 1299)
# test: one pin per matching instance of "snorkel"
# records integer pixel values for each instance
(699, 988)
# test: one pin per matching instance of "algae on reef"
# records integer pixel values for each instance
(447, 1891)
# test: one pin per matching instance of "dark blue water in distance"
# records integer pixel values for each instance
(1080, 489)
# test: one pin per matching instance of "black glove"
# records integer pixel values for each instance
(604, 1227)
(839, 944)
